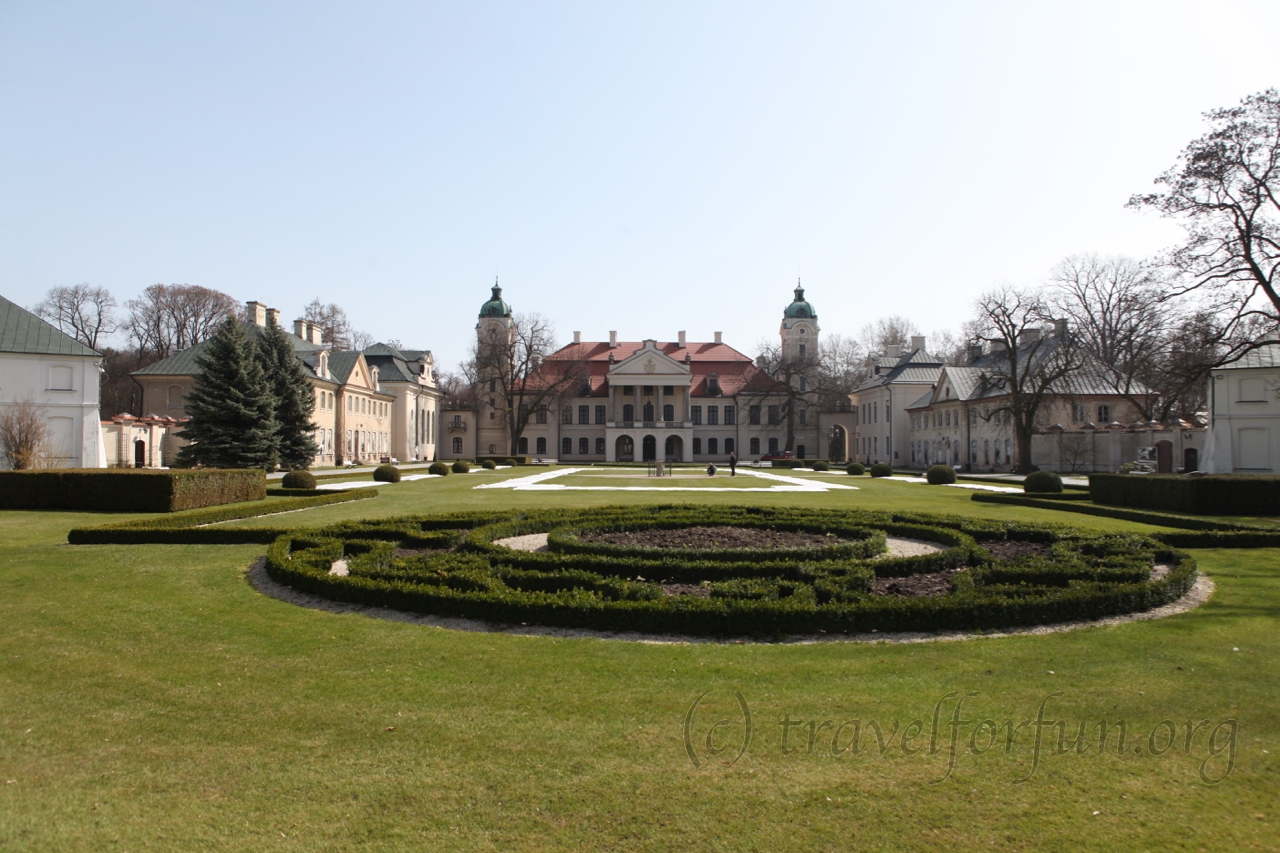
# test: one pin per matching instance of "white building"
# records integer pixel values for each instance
(1244, 407)
(57, 373)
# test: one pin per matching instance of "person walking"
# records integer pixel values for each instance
(733, 464)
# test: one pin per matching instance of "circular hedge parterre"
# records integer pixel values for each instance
(991, 574)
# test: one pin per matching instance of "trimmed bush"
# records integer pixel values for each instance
(510, 462)
(786, 463)
(1142, 516)
(1042, 482)
(386, 474)
(461, 467)
(882, 469)
(855, 468)
(130, 490)
(489, 465)
(940, 475)
(299, 480)
(821, 466)
(1219, 494)
(440, 469)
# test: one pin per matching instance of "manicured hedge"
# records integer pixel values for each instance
(129, 489)
(882, 469)
(190, 528)
(1067, 504)
(1219, 494)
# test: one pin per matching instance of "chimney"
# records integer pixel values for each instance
(577, 337)
(317, 333)
(256, 313)
(893, 351)
(975, 352)
(997, 347)
(760, 362)
(718, 337)
(300, 328)
(274, 314)
(917, 342)
(613, 340)
(680, 337)
(1029, 336)
(1060, 327)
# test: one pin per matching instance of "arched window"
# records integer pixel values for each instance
(713, 446)
(541, 445)
(566, 446)
(728, 445)
(524, 446)
(599, 446)
(697, 447)
(584, 446)
(755, 447)
(175, 397)
(648, 412)
(773, 445)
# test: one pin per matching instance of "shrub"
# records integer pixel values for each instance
(440, 469)
(386, 474)
(461, 467)
(855, 468)
(821, 466)
(882, 469)
(1220, 494)
(1046, 482)
(787, 463)
(510, 462)
(489, 464)
(940, 475)
(130, 489)
(299, 480)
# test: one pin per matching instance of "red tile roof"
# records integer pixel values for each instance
(737, 372)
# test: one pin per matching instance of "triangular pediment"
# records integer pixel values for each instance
(649, 361)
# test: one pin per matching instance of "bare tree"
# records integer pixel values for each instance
(24, 435)
(1025, 366)
(335, 326)
(520, 373)
(85, 313)
(886, 332)
(1225, 189)
(168, 318)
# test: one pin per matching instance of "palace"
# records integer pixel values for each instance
(621, 401)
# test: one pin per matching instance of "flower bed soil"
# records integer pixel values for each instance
(931, 585)
(714, 537)
(1008, 549)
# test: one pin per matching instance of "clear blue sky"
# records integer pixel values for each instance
(645, 167)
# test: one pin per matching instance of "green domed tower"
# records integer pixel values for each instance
(495, 307)
(799, 329)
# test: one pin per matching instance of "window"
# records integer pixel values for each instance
(775, 416)
(566, 446)
(804, 417)
(986, 451)
(947, 416)
(773, 445)
(629, 390)
(601, 414)
(566, 415)
(713, 384)
(697, 447)
(668, 412)
(600, 447)
(753, 414)
(973, 417)
(628, 412)
(457, 445)
(584, 446)
(584, 414)
(175, 396)
(541, 444)
(728, 445)
(540, 416)
(648, 391)
(1079, 413)
(713, 446)
(668, 389)
(875, 413)
(648, 412)
(973, 451)
(348, 404)
(875, 445)
(713, 415)
(695, 415)
(1104, 414)
(730, 415)
(523, 446)
(804, 382)
(802, 352)
(493, 416)
(493, 385)
(754, 446)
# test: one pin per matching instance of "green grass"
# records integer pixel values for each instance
(151, 699)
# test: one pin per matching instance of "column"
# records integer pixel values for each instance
(657, 414)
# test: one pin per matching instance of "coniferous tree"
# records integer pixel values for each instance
(231, 406)
(294, 397)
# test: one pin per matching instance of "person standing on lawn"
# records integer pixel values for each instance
(733, 464)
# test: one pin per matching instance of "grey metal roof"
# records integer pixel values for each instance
(342, 363)
(24, 332)
(184, 363)
(916, 366)
(923, 402)
(1268, 356)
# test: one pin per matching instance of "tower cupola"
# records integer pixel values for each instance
(495, 307)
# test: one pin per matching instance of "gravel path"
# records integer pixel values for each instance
(257, 576)
(897, 547)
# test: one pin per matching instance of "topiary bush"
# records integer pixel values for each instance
(510, 462)
(440, 469)
(821, 466)
(489, 465)
(942, 475)
(1043, 482)
(882, 469)
(386, 474)
(299, 480)
(855, 468)
(461, 467)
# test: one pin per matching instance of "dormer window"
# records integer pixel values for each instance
(713, 384)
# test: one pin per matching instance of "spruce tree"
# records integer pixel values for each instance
(295, 399)
(231, 406)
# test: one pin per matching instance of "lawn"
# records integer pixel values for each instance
(151, 699)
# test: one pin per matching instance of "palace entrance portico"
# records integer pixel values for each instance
(648, 409)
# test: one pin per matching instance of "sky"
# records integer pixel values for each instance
(640, 167)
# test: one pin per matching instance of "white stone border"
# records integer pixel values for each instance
(537, 483)
(257, 576)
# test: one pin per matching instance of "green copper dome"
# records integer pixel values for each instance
(495, 307)
(799, 309)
